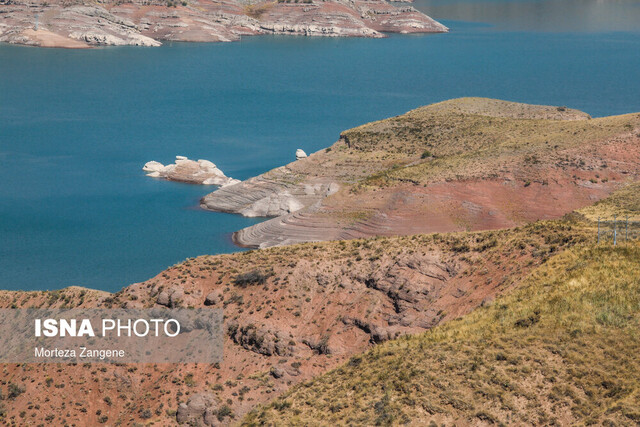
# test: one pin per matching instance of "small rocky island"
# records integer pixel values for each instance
(190, 171)
(82, 24)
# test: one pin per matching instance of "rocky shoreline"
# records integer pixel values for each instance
(269, 195)
(78, 24)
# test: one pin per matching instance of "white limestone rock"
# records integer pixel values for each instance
(232, 181)
(215, 180)
(168, 169)
(153, 166)
(191, 171)
(274, 205)
(300, 154)
(206, 164)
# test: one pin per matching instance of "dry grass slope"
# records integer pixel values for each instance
(340, 294)
(623, 202)
(471, 137)
(562, 349)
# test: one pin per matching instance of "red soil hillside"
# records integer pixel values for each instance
(291, 313)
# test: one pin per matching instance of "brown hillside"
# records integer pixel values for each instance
(563, 349)
(318, 305)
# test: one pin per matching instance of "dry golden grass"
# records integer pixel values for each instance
(257, 10)
(562, 349)
(624, 202)
(473, 137)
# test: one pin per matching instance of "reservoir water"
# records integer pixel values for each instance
(76, 126)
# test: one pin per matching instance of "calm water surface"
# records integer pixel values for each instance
(77, 126)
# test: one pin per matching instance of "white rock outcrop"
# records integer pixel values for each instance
(153, 167)
(300, 154)
(190, 171)
(273, 205)
(272, 194)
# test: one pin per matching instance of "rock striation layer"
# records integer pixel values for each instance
(78, 24)
(273, 194)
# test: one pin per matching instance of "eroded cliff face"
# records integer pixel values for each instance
(78, 24)
(467, 164)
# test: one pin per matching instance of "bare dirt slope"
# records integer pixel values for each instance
(77, 23)
(291, 313)
(465, 164)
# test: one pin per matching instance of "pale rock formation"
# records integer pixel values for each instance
(190, 171)
(82, 24)
(200, 409)
(300, 154)
(94, 38)
(213, 298)
(271, 194)
(153, 166)
(273, 205)
(170, 297)
(163, 299)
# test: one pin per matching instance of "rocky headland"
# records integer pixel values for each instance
(201, 172)
(466, 164)
(78, 24)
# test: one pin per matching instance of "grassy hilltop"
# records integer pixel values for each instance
(472, 138)
(623, 203)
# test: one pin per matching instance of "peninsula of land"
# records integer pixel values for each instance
(459, 165)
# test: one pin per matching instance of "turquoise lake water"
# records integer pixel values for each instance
(77, 126)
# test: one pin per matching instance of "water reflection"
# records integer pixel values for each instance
(540, 15)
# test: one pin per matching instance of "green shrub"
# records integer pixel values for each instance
(15, 391)
(253, 277)
(224, 411)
